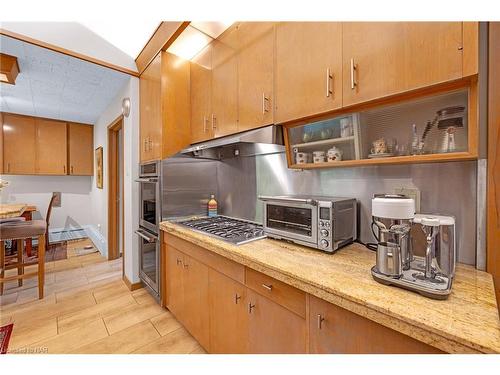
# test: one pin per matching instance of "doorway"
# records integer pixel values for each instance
(115, 192)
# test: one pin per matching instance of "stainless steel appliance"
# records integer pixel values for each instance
(392, 216)
(235, 231)
(149, 226)
(415, 252)
(324, 223)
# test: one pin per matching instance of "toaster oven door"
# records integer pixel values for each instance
(294, 221)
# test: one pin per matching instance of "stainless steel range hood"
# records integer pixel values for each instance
(266, 140)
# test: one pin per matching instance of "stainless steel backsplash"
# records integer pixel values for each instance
(446, 188)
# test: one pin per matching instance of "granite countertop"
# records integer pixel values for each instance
(467, 322)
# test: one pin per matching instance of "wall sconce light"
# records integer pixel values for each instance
(126, 107)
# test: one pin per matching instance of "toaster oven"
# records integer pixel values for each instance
(324, 223)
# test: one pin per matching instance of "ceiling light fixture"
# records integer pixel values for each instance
(9, 68)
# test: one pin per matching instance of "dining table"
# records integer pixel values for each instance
(12, 210)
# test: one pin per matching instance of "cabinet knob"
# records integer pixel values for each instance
(320, 321)
(236, 298)
(205, 123)
(186, 265)
(250, 307)
(179, 261)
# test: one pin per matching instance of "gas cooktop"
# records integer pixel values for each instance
(235, 231)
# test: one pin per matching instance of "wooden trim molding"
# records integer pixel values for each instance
(67, 52)
(493, 187)
(132, 286)
(165, 34)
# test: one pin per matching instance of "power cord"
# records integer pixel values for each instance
(370, 245)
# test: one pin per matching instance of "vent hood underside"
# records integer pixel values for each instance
(267, 140)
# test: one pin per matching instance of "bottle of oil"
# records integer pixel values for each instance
(212, 206)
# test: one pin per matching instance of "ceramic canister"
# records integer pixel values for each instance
(319, 156)
(334, 154)
(302, 157)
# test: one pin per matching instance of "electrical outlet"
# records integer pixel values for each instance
(412, 193)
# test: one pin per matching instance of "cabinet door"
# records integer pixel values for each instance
(51, 147)
(336, 330)
(150, 111)
(224, 118)
(81, 149)
(308, 69)
(385, 58)
(255, 74)
(201, 96)
(228, 315)
(273, 328)
(195, 309)
(19, 144)
(175, 97)
(174, 283)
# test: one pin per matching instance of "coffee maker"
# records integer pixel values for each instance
(414, 251)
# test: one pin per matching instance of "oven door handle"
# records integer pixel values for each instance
(311, 202)
(149, 239)
(146, 180)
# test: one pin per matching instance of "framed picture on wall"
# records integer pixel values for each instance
(98, 167)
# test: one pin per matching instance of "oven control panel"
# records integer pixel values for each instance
(325, 227)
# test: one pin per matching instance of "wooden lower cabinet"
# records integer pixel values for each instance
(228, 315)
(333, 329)
(187, 297)
(273, 328)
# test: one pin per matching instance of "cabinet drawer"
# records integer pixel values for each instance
(225, 266)
(277, 291)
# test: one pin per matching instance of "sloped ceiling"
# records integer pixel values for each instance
(53, 85)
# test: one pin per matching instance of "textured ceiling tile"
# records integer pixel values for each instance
(58, 86)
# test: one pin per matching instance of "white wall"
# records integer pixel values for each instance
(74, 37)
(37, 190)
(98, 197)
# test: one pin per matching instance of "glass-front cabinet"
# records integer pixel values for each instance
(436, 127)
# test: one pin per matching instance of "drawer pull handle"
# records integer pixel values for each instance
(329, 79)
(179, 261)
(268, 287)
(186, 265)
(320, 321)
(353, 79)
(236, 298)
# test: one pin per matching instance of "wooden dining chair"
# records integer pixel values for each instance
(20, 231)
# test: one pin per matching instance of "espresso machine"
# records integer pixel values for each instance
(414, 251)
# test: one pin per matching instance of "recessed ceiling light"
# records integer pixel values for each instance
(9, 68)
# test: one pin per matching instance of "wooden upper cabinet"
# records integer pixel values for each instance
(51, 147)
(1, 143)
(224, 118)
(19, 144)
(385, 58)
(255, 74)
(272, 328)
(228, 315)
(150, 135)
(81, 149)
(201, 96)
(308, 71)
(176, 127)
(333, 329)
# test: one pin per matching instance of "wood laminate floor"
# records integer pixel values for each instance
(88, 309)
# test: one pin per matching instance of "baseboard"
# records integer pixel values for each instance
(98, 239)
(132, 286)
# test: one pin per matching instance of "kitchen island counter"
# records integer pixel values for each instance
(467, 322)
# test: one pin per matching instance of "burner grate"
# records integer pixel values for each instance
(236, 231)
